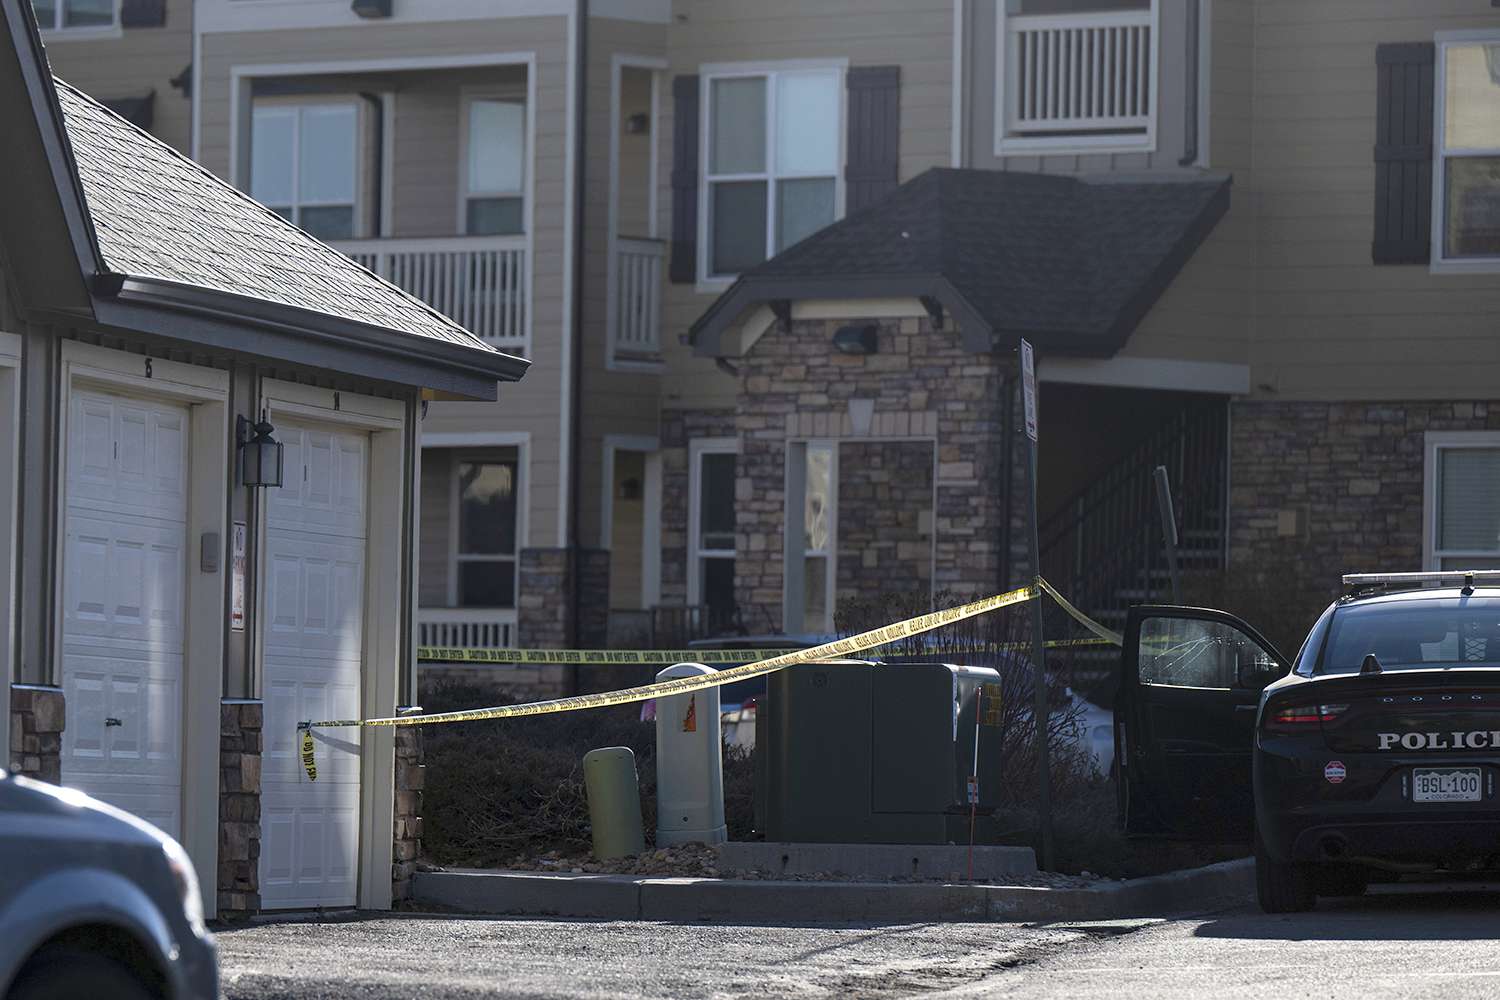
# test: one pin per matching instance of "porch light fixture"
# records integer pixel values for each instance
(856, 339)
(260, 454)
(371, 8)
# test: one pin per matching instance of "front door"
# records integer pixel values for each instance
(1185, 722)
(314, 625)
(124, 565)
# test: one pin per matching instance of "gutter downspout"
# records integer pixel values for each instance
(1007, 457)
(575, 447)
(1192, 84)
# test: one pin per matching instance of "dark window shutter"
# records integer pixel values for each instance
(873, 168)
(1403, 153)
(684, 264)
(143, 13)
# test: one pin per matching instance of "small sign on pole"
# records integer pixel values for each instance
(1028, 388)
(237, 577)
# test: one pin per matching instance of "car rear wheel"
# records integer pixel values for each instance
(74, 975)
(1281, 887)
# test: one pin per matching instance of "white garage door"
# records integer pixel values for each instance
(314, 645)
(124, 560)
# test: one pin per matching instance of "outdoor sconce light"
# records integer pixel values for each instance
(371, 8)
(260, 454)
(856, 339)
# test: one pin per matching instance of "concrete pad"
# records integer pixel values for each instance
(606, 897)
(689, 899)
(881, 861)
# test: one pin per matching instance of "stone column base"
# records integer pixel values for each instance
(37, 718)
(411, 778)
(240, 725)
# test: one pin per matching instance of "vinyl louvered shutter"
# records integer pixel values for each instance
(874, 140)
(1403, 153)
(683, 267)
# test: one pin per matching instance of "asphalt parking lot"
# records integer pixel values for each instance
(1441, 941)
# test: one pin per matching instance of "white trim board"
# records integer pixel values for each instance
(1148, 373)
(956, 139)
(697, 448)
(10, 440)
(612, 444)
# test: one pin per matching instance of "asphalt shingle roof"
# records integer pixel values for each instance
(157, 214)
(1077, 258)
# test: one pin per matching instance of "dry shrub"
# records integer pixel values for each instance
(503, 787)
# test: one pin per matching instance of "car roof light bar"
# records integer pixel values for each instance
(1464, 578)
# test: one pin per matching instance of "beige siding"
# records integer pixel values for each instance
(531, 406)
(614, 402)
(132, 64)
(626, 537)
(917, 35)
(1328, 323)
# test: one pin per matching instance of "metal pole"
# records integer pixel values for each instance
(1168, 530)
(1042, 711)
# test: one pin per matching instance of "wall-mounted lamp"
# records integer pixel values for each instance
(856, 339)
(371, 8)
(638, 124)
(260, 454)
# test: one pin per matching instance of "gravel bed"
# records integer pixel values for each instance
(702, 861)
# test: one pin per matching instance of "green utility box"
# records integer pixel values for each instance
(853, 753)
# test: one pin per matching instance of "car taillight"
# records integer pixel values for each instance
(1299, 718)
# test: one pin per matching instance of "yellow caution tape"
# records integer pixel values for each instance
(1107, 634)
(686, 685)
(668, 657)
(307, 755)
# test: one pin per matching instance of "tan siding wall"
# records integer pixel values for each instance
(625, 528)
(614, 402)
(917, 35)
(1329, 324)
(530, 406)
(133, 64)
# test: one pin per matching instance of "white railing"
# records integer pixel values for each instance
(636, 318)
(466, 628)
(1079, 73)
(480, 282)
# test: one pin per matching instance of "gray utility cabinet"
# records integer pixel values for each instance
(856, 753)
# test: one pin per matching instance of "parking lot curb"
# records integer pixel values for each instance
(629, 897)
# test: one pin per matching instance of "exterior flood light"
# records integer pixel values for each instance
(260, 454)
(856, 339)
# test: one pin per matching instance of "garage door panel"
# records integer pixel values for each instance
(314, 653)
(124, 571)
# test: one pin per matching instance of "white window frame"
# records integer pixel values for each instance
(467, 97)
(697, 448)
(1008, 145)
(295, 110)
(58, 30)
(1433, 443)
(1441, 264)
(456, 559)
(708, 73)
(830, 555)
(10, 429)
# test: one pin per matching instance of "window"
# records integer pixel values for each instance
(819, 532)
(303, 165)
(774, 146)
(53, 15)
(1468, 152)
(494, 167)
(1198, 653)
(485, 559)
(1424, 632)
(1463, 486)
(713, 521)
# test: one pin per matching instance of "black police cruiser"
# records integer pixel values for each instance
(1373, 754)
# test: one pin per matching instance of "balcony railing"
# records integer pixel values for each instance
(636, 320)
(1079, 74)
(480, 282)
(467, 628)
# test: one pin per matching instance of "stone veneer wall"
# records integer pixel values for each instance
(411, 779)
(240, 724)
(37, 717)
(541, 603)
(678, 428)
(923, 385)
(1322, 489)
(593, 597)
(885, 518)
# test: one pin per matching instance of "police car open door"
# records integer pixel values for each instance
(1185, 722)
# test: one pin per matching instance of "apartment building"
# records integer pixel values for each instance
(770, 262)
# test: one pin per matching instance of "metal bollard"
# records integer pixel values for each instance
(689, 764)
(609, 779)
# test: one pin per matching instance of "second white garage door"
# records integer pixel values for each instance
(316, 530)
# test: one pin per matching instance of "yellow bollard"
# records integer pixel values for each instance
(614, 795)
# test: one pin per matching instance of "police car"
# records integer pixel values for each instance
(1372, 754)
